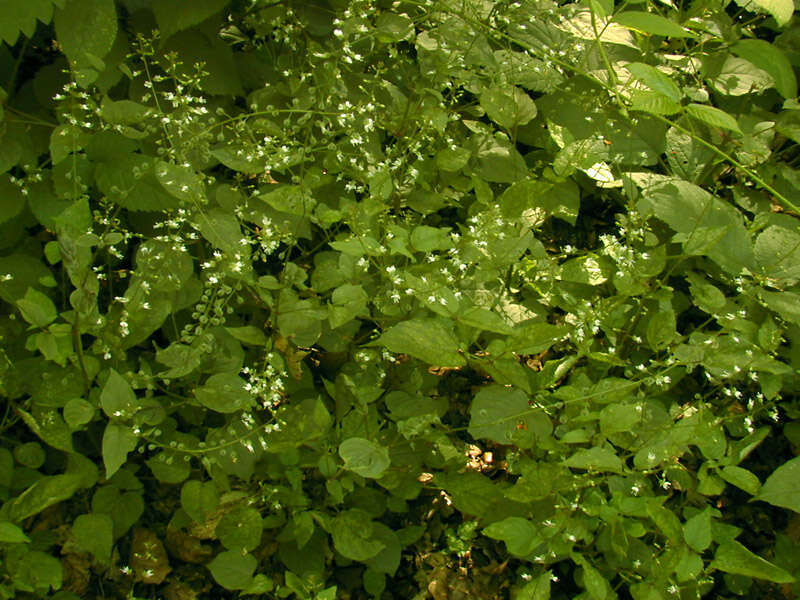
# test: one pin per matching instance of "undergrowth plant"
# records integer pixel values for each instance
(359, 298)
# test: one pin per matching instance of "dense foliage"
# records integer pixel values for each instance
(358, 298)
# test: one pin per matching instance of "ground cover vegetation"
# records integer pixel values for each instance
(360, 298)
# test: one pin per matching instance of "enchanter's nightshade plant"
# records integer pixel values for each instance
(362, 298)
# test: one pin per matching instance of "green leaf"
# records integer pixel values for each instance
(118, 441)
(392, 27)
(426, 239)
(661, 329)
(224, 393)
(653, 103)
(504, 415)
(508, 106)
(520, 535)
(388, 559)
(782, 10)
(652, 24)
(770, 58)
(11, 534)
(364, 457)
(240, 529)
(176, 15)
(782, 487)
(713, 116)
(732, 557)
(37, 309)
(21, 15)
(129, 180)
(118, 399)
(78, 412)
(656, 80)
(183, 183)
(352, 535)
(538, 589)
(600, 459)
(94, 533)
(199, 499)
(452, 159)
(777, 250)
(86, 30)
(484, 320)
(42, 494)
(741, 478)
(125, 509)
(697, 530)
(232, 570)
(221, 228)
(429, 339)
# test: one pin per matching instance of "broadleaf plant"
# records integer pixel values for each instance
(399, 299)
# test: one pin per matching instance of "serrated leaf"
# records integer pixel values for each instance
(86, 29)
(652, 24)
(232, 570)
(713, 116)
(428, 339)
(94, 533)
(770, 58)
(520, 535)
(364, 457)
(782, 487)
(732, 557)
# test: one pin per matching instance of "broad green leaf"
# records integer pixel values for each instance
(388, 559)
(352, 535)
(652, 24)
(781, 10)
(182, 182)
(741, 478)
(653, 103)
(520, 535)
(713, 116)
(118, 399)
(37, 308)
(601, 459)
(21, 16)
(392, 27)
(170, 467)
(770, 58)
(124, 508)
(232, 570)
(782, 487)
(176, 15)
(13, 199)
(199, 499)
(736, 76)
(596, 585)
(452, 159)
(11, 534)
(240, 529)
(666, 520)
(688, 208)
(777, 250)
(428, 339)
(45, 492)
(538, 589)
(504, 415)
(426, 239)
(508, 106)
(484, 320)
(30, 454)
(364, 457)
(656, 80)
(222, 230)
(224, 393)
(661, 329)
(86, 29)
(687, 157)
(118, 441)
(123, 112)
(78, 412)
(732, 557)
(129, 180)
(620, 417)
(499, 161)
(94, 533)
(697, 530)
